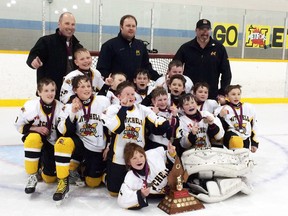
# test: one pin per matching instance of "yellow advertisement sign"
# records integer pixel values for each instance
(278, 37)
(226, 33)
(257, 36)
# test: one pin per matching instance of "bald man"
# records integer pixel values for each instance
(52, 55)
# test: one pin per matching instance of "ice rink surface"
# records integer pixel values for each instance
(269, 178)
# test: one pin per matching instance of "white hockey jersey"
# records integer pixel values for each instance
(202, 136)
(163, 139)
(140, 97)
(249, 121)
(92, 132)
(32, 113)
(209, 105)
(129, 126)
(156, 179)
(67, 89)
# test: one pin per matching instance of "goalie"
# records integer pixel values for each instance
(216, 174)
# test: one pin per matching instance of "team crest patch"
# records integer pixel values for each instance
(200, 142)
(89, 130)
(138, 52)
(131, 132)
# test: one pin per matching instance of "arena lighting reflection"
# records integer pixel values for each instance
(12, 2)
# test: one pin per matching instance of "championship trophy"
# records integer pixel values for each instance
(178, 199)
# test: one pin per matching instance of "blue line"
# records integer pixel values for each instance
(93, 28)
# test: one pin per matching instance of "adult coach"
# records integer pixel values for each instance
(52, 55)
(125, 53)
(206, 60)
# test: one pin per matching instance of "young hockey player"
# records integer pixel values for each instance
(83, 60)
(38, 122)
(161, 108)
(110, 86)
(84, 135)
(174, 67)
(177, 88)
(141, 81)
(148, 172)
(198, 126)
(127, 122)
(200, 91)
(239, 121)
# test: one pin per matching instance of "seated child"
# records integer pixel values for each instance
(239, 121)
(38, 122)
(148, 172)
(83, 60)
(83, 134)
(174, 67)
(127, 122)
(199, 127)
(141, 81)
(200, 91)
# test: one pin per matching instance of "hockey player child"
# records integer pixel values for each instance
(147, 175)
(83, 60)
(110, 86)
(141, 80)
(174, 67)
(177, 88)
(239, 121)
(160, 106)
(200, 91)
(84, 135)
(127, 122)
(199, 127)
(38, 121)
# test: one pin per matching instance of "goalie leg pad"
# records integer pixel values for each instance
(221, 189)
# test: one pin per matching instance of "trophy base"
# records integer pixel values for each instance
(179, 201)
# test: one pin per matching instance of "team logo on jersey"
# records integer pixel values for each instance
(213, 53)
(131, 132)
(89, 130)
(200, 142)
(242, 130)
(138, 52)
(23, 109)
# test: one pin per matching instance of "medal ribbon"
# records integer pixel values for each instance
(238, 117)
(87, 115)
(50, 119)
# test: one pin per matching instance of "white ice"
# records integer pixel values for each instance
(269, 178)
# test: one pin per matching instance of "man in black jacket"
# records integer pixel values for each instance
(125, 53)
(52, 55)
(205, 60)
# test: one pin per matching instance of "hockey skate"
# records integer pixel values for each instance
(62, 190)
(31, 184)
(75, 178)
